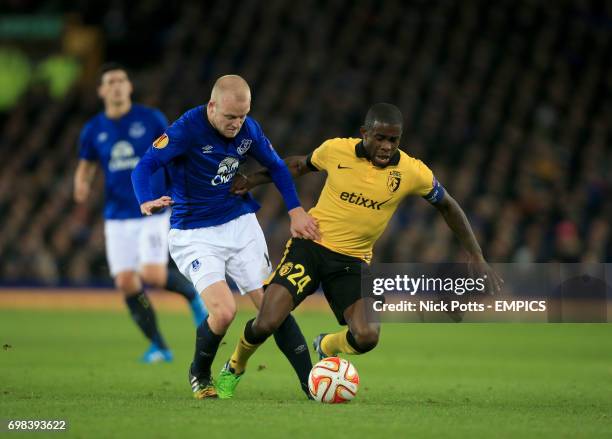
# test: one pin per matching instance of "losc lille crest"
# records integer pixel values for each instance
(394, 180)
(286, 268)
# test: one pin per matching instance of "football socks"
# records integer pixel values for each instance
(207, 343)
(241, 355)
(143, 314)
(247, 345)
(338, 342)
(291, 342)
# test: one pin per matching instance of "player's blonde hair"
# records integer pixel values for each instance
(233, 86)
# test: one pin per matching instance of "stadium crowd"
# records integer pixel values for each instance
(508, 102)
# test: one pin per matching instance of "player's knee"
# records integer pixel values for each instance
(266, 325)
(223, 316)
(155, 275)
(128, 282)
(366, 338)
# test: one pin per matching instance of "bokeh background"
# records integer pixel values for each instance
(509, 102)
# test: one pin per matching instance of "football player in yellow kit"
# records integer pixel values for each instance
(366, 181)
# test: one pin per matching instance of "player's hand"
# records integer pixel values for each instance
(81, 192)
(478, 267)
(240, 185)
(303, 225)
(153, 206)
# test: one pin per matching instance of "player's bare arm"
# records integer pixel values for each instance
(83, 177)
(244, 183)
(302, 224)
(459, 224)
(150, 207)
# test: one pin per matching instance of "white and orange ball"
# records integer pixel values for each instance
(333, 380)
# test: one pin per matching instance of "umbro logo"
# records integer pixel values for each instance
(207, 149)
(343, 167)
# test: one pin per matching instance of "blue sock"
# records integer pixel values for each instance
(141, 310)
(178, 283)
(207, 344)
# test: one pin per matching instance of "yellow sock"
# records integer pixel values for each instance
(241, 355)
(335, 343)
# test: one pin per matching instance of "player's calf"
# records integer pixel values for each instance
(142, 313)
(211, 331)
(348, 341)
(273, 312)
(264, 326)
(360, 337)
(363, 339)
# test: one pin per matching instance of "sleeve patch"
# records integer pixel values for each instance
(161, 142)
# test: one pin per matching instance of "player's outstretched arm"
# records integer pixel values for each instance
(302, 224)
(83, 177)
(153, 206)
(243, 183)
(459, 224)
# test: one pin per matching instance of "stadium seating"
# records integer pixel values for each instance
(508, 103)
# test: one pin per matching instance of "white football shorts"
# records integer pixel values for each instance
(132, 243)
(237, 248)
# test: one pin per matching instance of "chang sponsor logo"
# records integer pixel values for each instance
(226, 171)
(122, 157)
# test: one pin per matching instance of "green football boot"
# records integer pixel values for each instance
(227, 382)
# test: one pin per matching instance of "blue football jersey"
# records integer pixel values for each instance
(118, 145)
(202, 163)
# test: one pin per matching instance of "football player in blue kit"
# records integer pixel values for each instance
(136, 245)
(214, 232)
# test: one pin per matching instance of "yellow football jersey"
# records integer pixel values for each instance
(358, 198)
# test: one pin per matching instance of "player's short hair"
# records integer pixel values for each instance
(110, 66)
(231, 83)
(383, 113)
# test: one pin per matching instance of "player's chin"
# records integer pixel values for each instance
(381, 161)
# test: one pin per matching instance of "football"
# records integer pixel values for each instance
(333, 380)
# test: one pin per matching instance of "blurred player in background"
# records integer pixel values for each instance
(366, 181)
(136, 246)
(214, 232)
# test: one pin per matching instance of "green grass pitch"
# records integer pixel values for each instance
(423, 380)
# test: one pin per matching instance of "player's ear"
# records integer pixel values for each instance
(363, 130)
